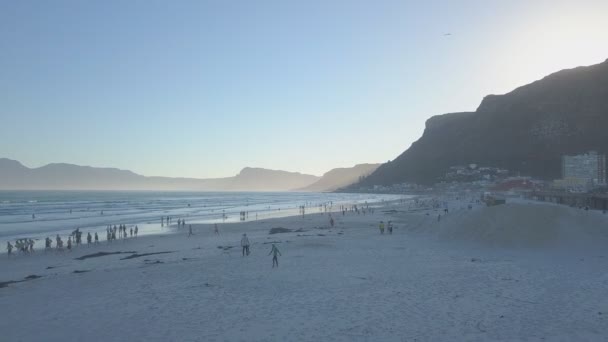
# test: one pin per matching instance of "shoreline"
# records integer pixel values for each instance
(258, 230)
(147, 226)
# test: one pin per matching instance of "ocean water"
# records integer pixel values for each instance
(37, 214)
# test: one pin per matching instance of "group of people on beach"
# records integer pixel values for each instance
(123, 232)
(273, 250)
(74, 239)
(165, 221)
(389, 227)
(22, 245)
(356, 209)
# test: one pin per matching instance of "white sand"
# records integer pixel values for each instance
(510, 273)
(527, 225)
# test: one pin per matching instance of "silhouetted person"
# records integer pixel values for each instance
(245, 244)
(274, 251)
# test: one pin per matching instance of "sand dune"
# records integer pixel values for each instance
(525, 225)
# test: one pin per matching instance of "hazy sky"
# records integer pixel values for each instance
(204, 88)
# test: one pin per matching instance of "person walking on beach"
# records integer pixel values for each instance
(390, 227)
(275, 251)
(96, 238)
(245, 244)
(381, 226)
(9, 248)
(18, 245)
(331, 221)
(190, 231)
(131, 232)
(47, 243)
(136, 231)
(89, 238)
(59, 242)
(69, 243)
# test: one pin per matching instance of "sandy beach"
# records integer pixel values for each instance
(304, 171)
(520, 271)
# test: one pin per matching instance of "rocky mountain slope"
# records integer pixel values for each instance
(525, 131)
(341, 177)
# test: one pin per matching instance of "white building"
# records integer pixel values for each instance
(585, 167)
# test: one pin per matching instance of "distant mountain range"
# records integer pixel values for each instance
(341, 177)
(525, 131)
(16, 176)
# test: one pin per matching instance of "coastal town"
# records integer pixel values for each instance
(582, 183)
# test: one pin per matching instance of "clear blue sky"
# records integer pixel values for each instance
(204, 88)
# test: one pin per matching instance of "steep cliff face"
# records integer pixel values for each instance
(526, 130)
